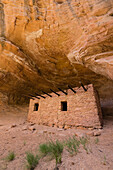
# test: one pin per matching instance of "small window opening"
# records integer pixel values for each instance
(63, 106)
(36, 105)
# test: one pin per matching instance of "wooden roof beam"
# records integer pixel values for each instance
(28, 97)
(47, 94)
(55, 92)
(62, 91)
(71, 89)
(40, 95)
(34, 96)
(83, 87)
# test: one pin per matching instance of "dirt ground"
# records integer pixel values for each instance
(17, 135)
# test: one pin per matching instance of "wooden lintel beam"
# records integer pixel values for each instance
(71, 89)
(55, 92)
(34, 96)
(62, 91)
(28, 97)
(40, 95)
(83, 87)
(47, 94)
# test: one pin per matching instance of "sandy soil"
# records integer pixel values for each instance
(17, 135)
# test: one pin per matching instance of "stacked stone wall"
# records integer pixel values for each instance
(83, 109)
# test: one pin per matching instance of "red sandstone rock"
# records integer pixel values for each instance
(97, 133)
(13, 125)
(25, 127)
(32, 128)
(65, 42)
(90, 133)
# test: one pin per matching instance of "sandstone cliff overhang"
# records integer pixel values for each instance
(55, 43)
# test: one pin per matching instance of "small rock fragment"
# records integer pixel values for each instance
(32, 124)
(60, 127)
(13, 125)
(91, 128)
(32, 128)
(97, 133)
(66, 127)
(90, 133)
(25, 128)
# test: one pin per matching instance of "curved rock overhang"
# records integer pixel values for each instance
(55, 43)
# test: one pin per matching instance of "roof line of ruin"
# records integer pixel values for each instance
(38, 95)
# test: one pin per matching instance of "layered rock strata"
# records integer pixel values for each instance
(54, 43)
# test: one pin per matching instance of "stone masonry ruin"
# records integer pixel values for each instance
(76, 109)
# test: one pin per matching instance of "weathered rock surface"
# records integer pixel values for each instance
(53, 43)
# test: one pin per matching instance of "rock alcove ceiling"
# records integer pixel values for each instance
(52, 43)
